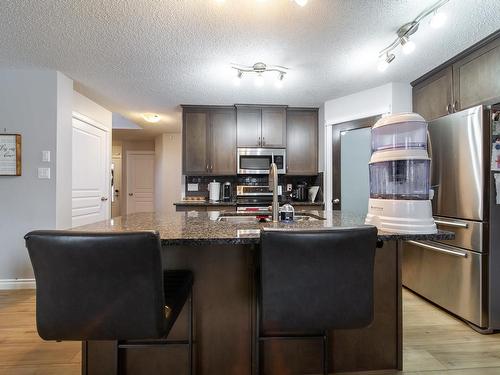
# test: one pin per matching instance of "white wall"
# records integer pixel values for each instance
(37, 105)
(87, 107)
(389, 98)
(168, 171)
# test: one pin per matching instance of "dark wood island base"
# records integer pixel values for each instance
(224, 324)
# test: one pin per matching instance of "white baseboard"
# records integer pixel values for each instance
(6, 284)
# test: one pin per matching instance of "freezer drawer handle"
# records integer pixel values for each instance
(452, 224)
(438, 249)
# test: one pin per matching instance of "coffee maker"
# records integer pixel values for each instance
(227, 192)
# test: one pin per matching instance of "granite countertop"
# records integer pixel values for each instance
(201, 228)
(208, 203)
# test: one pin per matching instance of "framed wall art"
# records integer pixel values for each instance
(10, 154)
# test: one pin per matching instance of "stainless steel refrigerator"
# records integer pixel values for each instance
(462, 275)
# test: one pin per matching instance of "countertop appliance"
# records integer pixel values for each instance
(461, 275)
(258, 160)
(399, 176)
(301, 192)
(227, 192)
(214, 191)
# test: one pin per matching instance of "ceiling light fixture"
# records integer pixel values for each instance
(408, 29)
(384, 62)
(258, 80)
(151, 117)
(237, 78)
(438, 20)
(279, 81)
(407, 45)
(301, 3)
(259, 69)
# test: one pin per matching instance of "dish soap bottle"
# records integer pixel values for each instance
(287, 212)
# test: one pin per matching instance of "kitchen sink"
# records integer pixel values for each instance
(243, 219)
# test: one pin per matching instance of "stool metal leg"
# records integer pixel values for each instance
(325, 353)
(190, 329)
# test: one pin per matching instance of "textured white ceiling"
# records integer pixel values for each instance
(150, 55)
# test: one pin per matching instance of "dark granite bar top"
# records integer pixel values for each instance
(202, 228)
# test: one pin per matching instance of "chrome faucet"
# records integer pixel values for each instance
(273, 186)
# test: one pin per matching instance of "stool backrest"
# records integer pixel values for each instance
(315, 280)
(97, 286)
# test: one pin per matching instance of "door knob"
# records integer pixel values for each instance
(104, 199)
(336, 201)
(130, 194)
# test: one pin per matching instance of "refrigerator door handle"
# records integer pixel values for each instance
(451, 223)
(438, 249)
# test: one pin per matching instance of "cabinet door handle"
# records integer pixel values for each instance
(211, 167)
(438, 249)
(130, 194)
(455, 106)
(448, 108)
(258, 142)
(263, 141)
(336, 201)
(206, 168)
(104, 199)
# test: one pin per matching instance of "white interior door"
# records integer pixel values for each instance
(90, 174)
(140, 182)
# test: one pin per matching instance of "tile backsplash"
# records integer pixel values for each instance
(255, 180)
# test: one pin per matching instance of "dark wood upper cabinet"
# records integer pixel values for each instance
(302, 141)
(468, 79)
(209, 141)
(273, 127)
(261, 126)
(223, 142)
(433, 97)
(476, 77)
(195, 138)
(249, 124)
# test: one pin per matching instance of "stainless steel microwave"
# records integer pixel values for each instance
(258, 160)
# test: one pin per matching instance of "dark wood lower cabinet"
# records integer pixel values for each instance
(224, 311)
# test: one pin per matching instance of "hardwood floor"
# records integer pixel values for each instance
(22, 352)
(434, 342)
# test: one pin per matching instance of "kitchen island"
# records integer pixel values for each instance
(220, 248)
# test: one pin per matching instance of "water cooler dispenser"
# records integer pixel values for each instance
(399, 176)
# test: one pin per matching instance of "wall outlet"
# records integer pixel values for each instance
(46, 156)
(192, 187)
(44, 173)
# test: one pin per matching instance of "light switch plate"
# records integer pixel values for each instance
(44, 173)
(46, 156)
(192, 187)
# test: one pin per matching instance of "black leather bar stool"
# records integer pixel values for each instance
(314, 281)
(107, 286)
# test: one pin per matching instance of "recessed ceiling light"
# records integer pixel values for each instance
(302, 3)
(151, 117)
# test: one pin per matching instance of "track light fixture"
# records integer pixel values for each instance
(384, 62)
(408, 29)
(258, 70)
